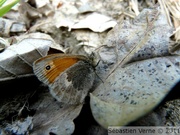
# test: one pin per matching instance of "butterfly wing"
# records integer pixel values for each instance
(68, 76)
(75, 83)
(48, 68)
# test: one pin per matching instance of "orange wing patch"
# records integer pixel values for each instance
(57, 66)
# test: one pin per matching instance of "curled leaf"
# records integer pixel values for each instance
(16, 60)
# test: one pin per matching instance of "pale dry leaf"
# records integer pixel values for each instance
(85, 7)
(43, 36)
(44, 7)
(167, 114)
(3, 44)
(17, 59)
(96, 22)
(27, 10)
(143, 73)
(69, 7)
(12, 15)
(134, 90)
(53, 117)
(45, 26)
(9, 26)
(138, 40)
(165, 10)
(65, 15)
(87, 42)
(60, 19)
(41, 3)
(28, 13)
(46, 10)
(112, 9)
(20, 127)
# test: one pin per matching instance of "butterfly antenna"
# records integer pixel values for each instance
(96, 73)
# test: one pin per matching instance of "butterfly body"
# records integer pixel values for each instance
(69, 77)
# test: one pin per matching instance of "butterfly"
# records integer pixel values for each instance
(69, 77)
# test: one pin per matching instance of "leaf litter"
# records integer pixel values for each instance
(133, 60)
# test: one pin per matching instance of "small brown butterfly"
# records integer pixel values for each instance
(69, 77)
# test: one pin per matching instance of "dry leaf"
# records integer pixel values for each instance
(143, 74)
(96, 22)
(43, 36)
(130, 56)
(134, 90)
(20, 127)
(16, 60)
(9, 26)
(87, 42)
(165, 115)
(53, 117)
(3, 44)
(137, 40)
(46, 10)
(28, 13)
(41, 3)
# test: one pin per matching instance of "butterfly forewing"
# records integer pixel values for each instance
(69, 77)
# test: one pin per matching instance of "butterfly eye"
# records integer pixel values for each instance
(48, 67)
